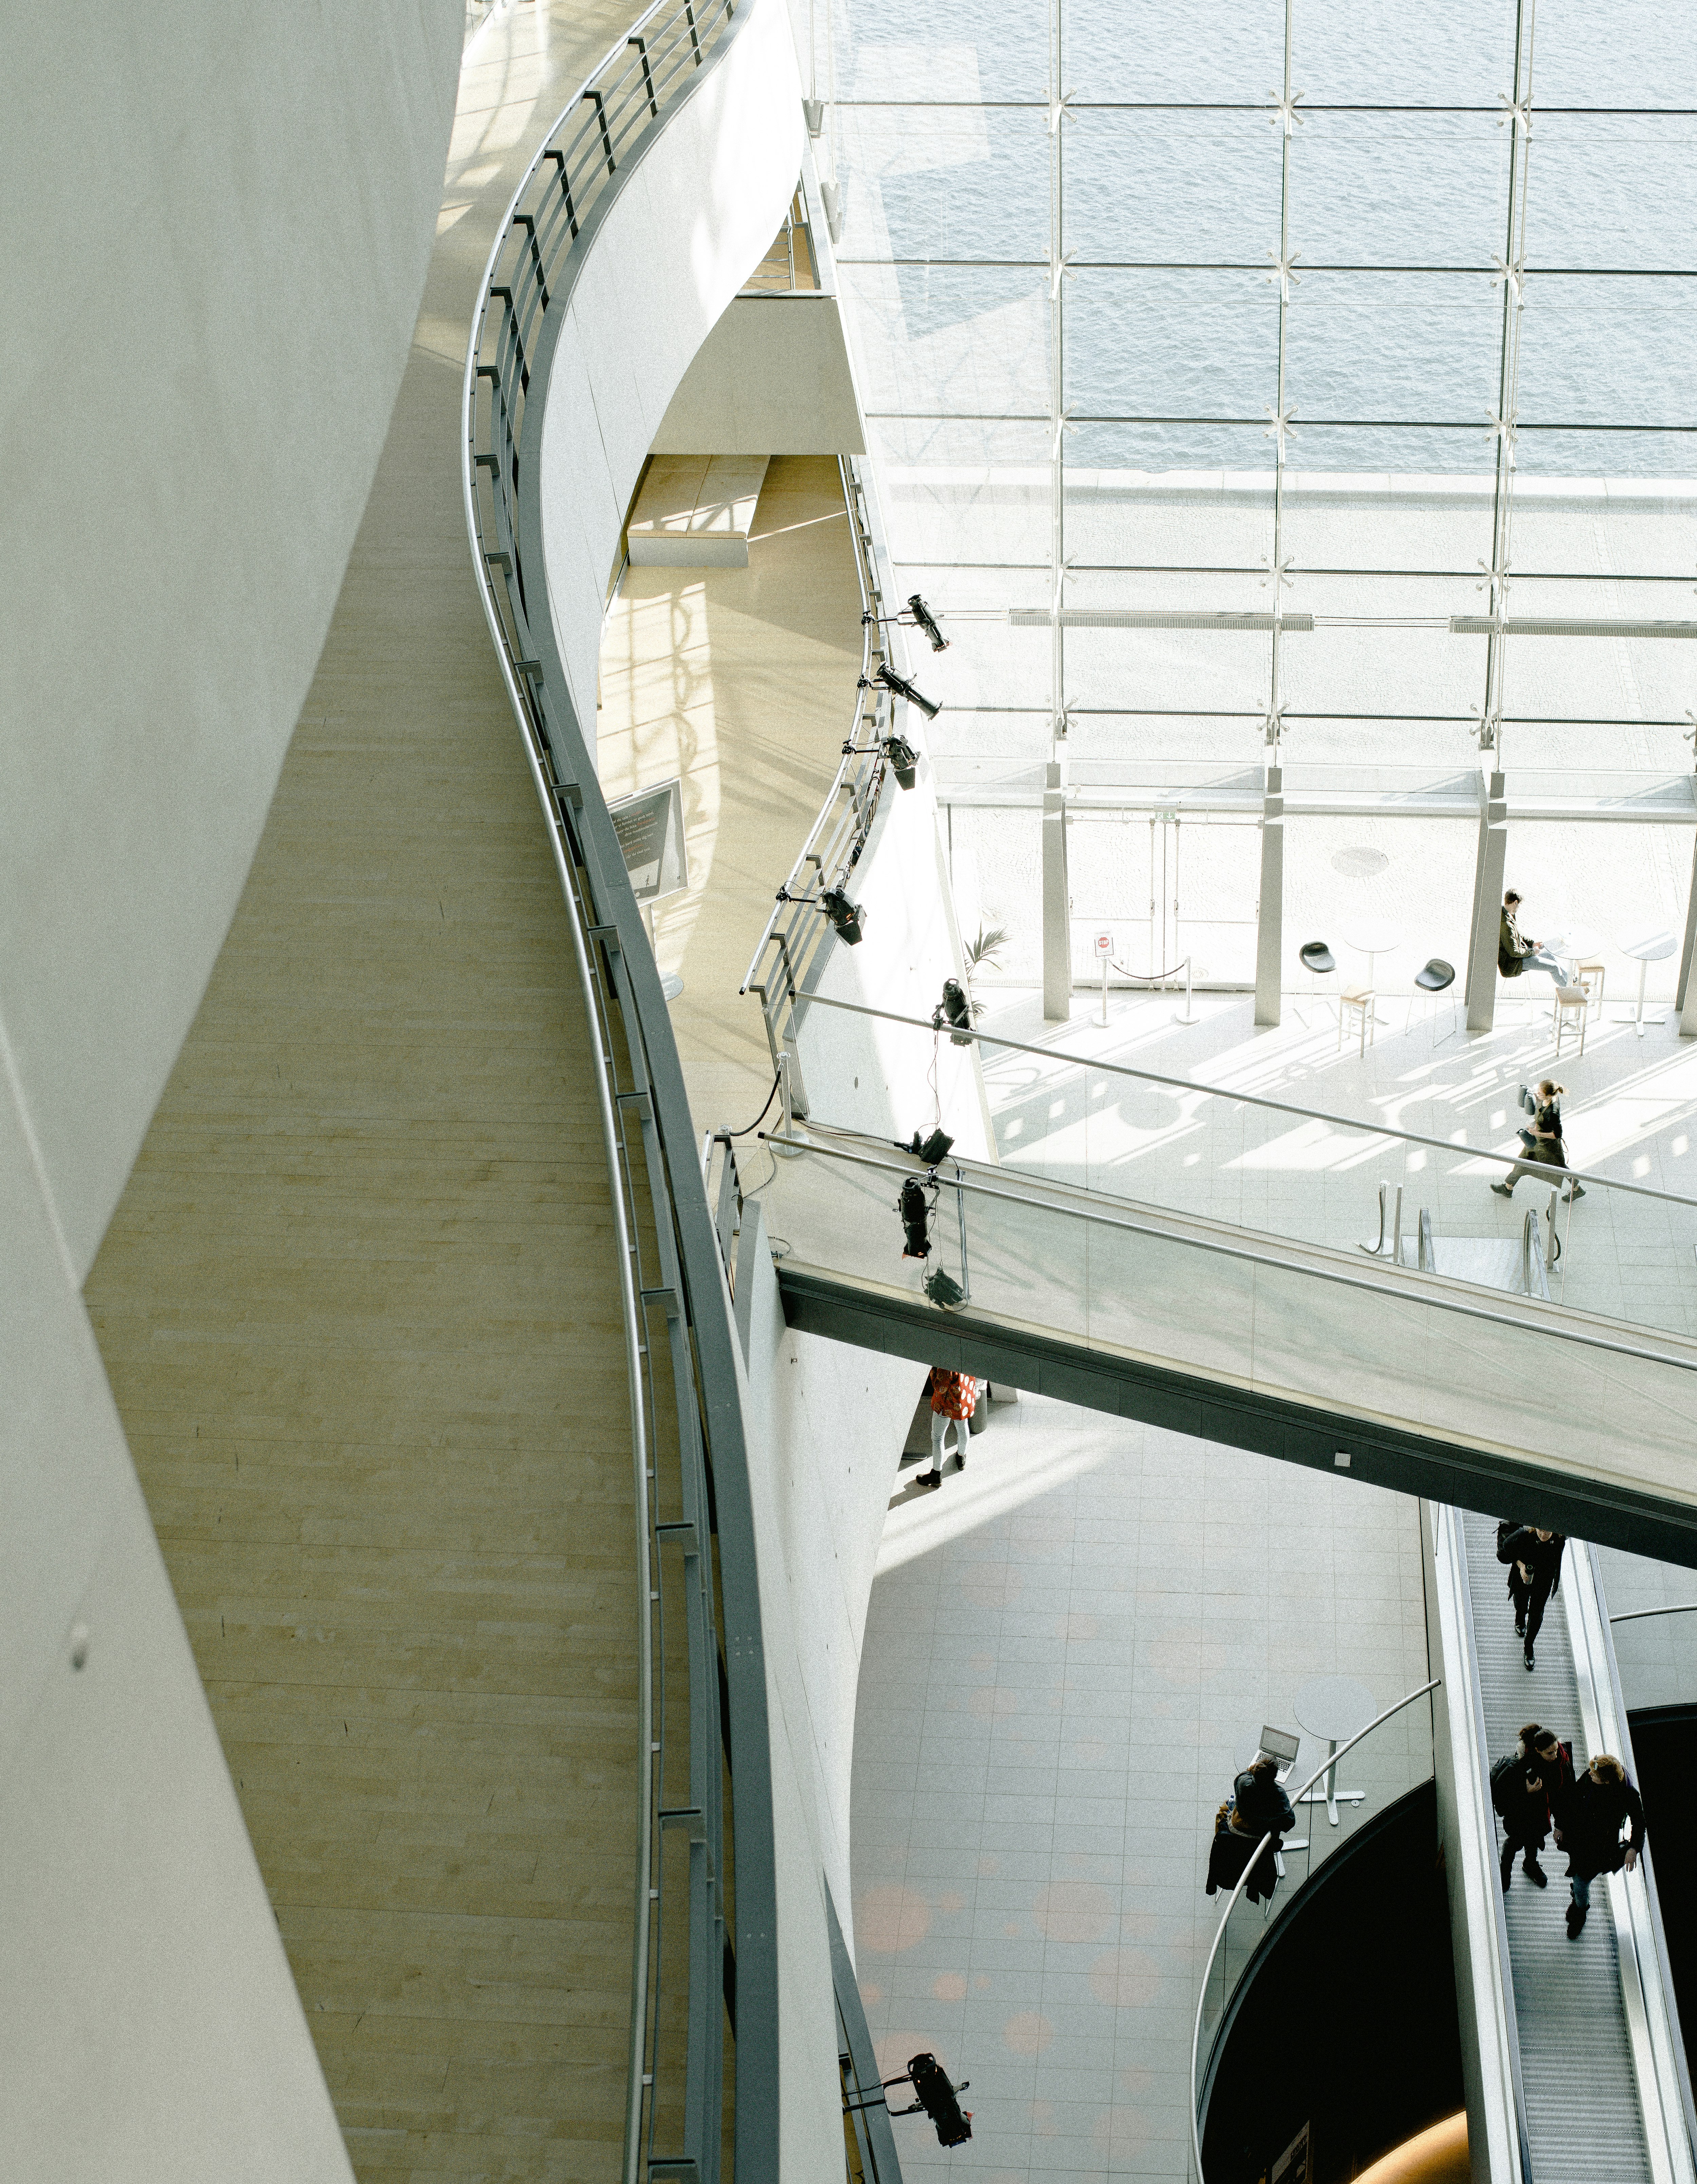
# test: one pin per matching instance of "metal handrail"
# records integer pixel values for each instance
(1247, 1099)
(798, 930)
(1325, 1766)
(1642, 1614)
(666, 1264)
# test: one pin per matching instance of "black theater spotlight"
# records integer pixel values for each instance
(925, 620)
(937, 2098)
(915, 1209)
(930, 1149)
(845, 916)
(955, 1010)
(903, 688)
(903, 758)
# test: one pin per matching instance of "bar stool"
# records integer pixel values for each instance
(1436, 978)
(1590, 974)
(1567, 1000)
(1361, 998)
(1318, 960)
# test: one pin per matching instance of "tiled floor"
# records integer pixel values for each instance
(1628, 1114)
(1068, 1648)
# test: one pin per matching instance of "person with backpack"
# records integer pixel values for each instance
(1520, 1797)
(1604, 1797)
(1534, 1559)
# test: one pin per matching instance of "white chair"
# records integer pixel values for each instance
(1571, 1000)
(1359, 998)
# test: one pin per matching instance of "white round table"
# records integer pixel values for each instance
(1335, 1708)
(1650, 944)
(1371, 937)
(1569, 944)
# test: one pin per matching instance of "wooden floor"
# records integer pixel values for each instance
(358, 1306)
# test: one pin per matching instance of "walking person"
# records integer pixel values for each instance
(1603, 1797)
(1520, 1794)
(1515, 953)
(1534, 1559)
(1543, 1140)
(953, 1399)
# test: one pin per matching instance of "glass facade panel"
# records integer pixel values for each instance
(1172, 187)
(1400, 189)
(1392, 348)
(1609, 350)
(1373, 315)
(1181, 342)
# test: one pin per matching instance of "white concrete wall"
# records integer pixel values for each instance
(689, 227)
(772, 378)
(216, 231)
(825, 1429)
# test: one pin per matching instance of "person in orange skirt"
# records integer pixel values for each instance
(953, 1399)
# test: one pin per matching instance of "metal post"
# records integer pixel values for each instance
(1269, 911)
(1488, 905)
(1289, 118)
(1057, 497)
(1057, 944)
(1685, 1000)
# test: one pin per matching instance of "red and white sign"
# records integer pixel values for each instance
(1104, 944)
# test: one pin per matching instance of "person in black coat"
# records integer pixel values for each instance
(1520, 1792)
(1534, 1559)
(1257, 1807)
(1602, 1798)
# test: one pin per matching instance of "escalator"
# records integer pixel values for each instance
(1577, 2073)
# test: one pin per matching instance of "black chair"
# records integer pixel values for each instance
(1436, 978)
(1317, 959)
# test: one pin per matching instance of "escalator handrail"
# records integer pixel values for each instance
(1450, 1553)
(1232, 1901)
(1658, 2053)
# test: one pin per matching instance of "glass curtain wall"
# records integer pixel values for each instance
(1344, 319)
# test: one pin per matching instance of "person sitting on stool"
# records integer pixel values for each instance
(1515, 953)
(954, 1398)
(1534, 1561)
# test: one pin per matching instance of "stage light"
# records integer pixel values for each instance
(927, 621)
(903, 688)
(937, 2098)
(903, 758)
(915, 1209)
(932, 1150)
(847, 917)
(954, 1009)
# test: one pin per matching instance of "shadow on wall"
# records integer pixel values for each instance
(1361, 1962)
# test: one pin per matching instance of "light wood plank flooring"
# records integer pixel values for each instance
(358, 1311)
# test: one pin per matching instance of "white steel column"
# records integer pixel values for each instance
(1057, 900)
(1270, 909)
(1488, 905)
(1510, 272)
